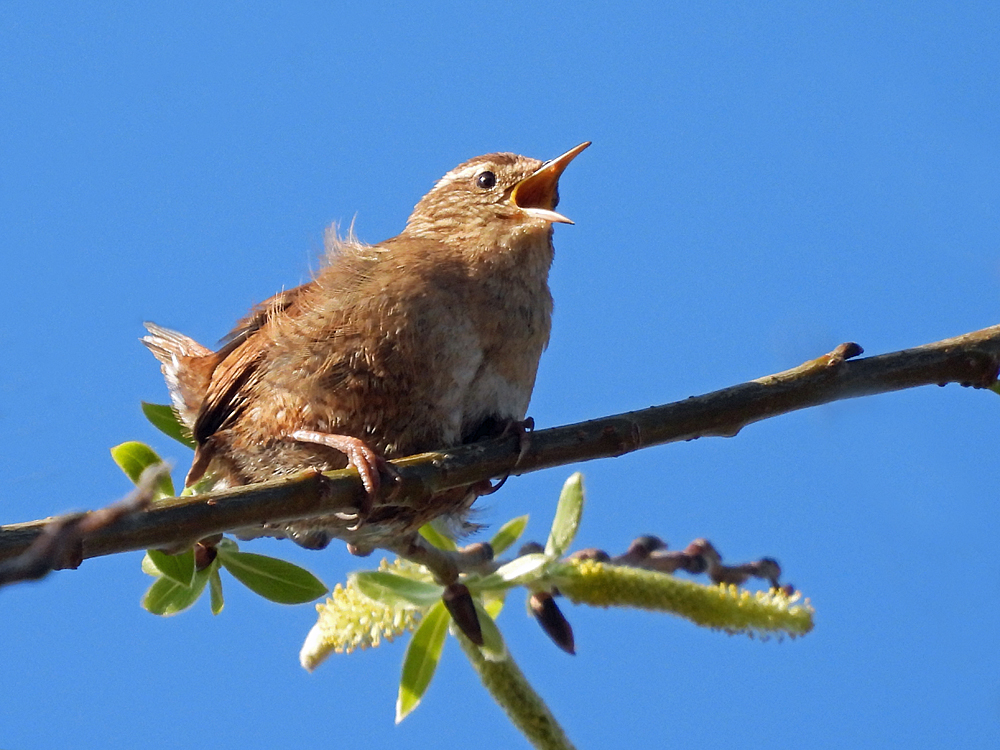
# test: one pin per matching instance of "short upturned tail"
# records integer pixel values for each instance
(187, 367)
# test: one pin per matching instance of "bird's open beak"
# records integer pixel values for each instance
(536, 193)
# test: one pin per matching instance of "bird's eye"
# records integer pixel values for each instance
(486, 180)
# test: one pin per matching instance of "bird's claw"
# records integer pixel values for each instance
(523, 429)
(369, 464)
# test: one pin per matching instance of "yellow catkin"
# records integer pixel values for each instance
(349, 620)
(727, 608)
(509, 688)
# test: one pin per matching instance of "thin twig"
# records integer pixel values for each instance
(60, 543)
(970, 360)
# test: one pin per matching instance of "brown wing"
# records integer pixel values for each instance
(257, 317)
(238, 368)
(242, 356)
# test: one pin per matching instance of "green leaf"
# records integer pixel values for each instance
(435, 537)
(509, 533)
(395, 590)
(276, 580)
(228, 545)
(493, 648)
(167, 597)
(149, 568)
(164, 418)
(521, 568)
(493, 603)
(134, 458)
(567, 520)
(215, 589)
(521, 571)
(179, 568)
(422, 656)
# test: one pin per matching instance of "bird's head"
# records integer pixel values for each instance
(493, 201)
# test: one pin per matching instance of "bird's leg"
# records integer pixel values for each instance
(522, 428)
(369, 463)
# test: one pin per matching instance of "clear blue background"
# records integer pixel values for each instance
(765, 183)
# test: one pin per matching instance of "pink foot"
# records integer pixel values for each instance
(367, 461)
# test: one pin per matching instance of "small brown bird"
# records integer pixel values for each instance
(428, 340)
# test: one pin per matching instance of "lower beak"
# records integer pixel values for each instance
(536, 194)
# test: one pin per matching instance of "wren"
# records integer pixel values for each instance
(427, 340)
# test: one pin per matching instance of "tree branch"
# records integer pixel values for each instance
(60, 543)
(970, 360)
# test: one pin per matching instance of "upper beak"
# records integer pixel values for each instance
(536, 193)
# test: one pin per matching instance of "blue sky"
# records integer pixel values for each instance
(764, 184)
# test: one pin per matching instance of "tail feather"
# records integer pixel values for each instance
(187, 367)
